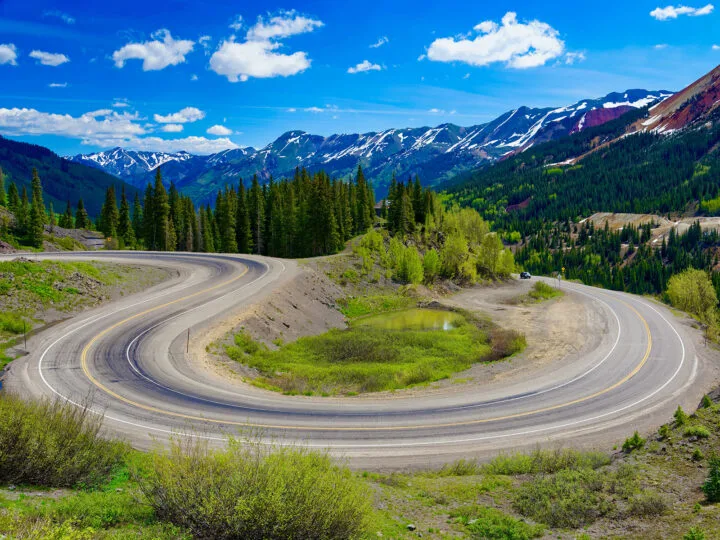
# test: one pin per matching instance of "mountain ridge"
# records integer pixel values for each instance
(434, 153)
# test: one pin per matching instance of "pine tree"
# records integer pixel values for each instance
(257, 216)
(161, 213)
(109, 215)
(82, 221)
(37, 212)
(13, 199)
(51, 219)
(242, 222)
(3, 197)
(125, 228)
(137, 218)
(22, 214)
(66, 219)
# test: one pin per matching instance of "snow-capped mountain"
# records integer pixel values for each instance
(433, 153)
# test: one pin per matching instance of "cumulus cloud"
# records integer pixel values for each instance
(516, 44)
(194, 145)
(101, 123)
(237, 24)
(259, 55)
(58, 85)
(8, 54)
(716, 47)
(364, 66)
(673, 12)
(172, 128)
(184, 116)
(49, 59)
(217, 129)
(67, 19)
(380, 42)
(161, 52)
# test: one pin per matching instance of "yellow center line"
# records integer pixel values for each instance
(339, 428)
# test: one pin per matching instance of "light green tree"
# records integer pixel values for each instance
(692, 291)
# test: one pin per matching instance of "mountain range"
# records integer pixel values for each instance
(435, 154)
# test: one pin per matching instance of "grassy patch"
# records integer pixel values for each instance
(542, 291)
(360, 306)
(492, 524)
(384, 352)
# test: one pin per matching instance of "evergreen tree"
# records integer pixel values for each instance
(160, 215)
(137, 217)
(257, 216)
(125, 229)
(22, 214)
(51, 219)
(82, 221)
(242, 221)
(37, 212)
(13, 199)
(109, 216)
(66, 219)
(3, 197)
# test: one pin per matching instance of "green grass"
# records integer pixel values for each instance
(359, 306)
(542, 291)
(367, 357)
(492, 524)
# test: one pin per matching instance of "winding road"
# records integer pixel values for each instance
(128, 357)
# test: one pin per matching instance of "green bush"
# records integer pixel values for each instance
(546, 461)
(711, 487)
(700, 432)
(491, 524)
(431, 265)
(567, 499)
(694, 534)
(636, 442)
(245, 491)
(664, 431)
(706, 402)
(543, 291)
(13, 323)
(680, 417)
(647, 504)
(53, 444)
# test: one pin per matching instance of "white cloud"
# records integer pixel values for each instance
(58, 85)
(282, 25)
(184, 116)
(661, 46)
(380, 42)
(292, 109)
(574, 57)
(466, 76)
(436, 111)
(193, 77)
(716, 47)
(237, 24)
(60, 15)
(518, 45)
(217, 129)
(120, 104)
(205, 43)
(364, 66)
(155, 54)
(314, 109)
(100, 123)
(8, 54)
(422, 57)
(172, 128)
(193, 144)
(673, 12)
(49, 59)
(258, 56)
(240, 61)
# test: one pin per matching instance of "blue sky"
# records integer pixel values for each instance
(202, 76)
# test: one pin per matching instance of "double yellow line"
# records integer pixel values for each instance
(84, 357)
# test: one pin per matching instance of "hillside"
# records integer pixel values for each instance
(646, 161)
(62, 180)
(434, 153)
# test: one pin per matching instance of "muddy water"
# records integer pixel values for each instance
(414, 319)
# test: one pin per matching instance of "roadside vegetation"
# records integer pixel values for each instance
(62, 480)
(385, 351)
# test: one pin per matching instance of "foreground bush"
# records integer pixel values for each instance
(53, 444)
(545, 461)
(245, 491)
(711, 487)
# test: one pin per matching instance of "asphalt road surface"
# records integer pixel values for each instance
(128, 358)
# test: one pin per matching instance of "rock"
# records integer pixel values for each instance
(411, 527)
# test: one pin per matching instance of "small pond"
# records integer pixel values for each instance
(414, 319)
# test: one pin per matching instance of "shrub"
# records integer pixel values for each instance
(567, 499)
(12, 323)
(647, 504)
(664, 431)
(706, 402)
(246, 491)
(636, 442)
(543, 291)
(461, 467)
(697, 431)
(431, 265)
(694, 534)
(697, 455)
(680, 417)
(711, 487)
(546, 461)
(492, 524)
(692, 291)
(53, 444)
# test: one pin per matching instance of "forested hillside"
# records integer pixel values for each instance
(62, 180)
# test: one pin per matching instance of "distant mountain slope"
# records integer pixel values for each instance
(62, 180)
(657, 160)
(434, 153)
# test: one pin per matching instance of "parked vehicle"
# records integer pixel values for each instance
(525, 275)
